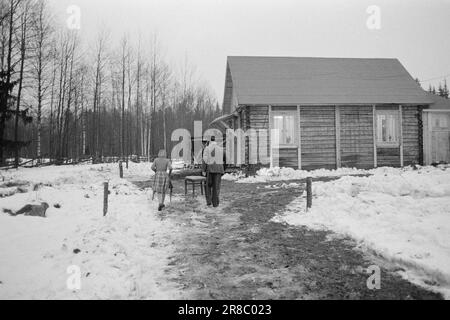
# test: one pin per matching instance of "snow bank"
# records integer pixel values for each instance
(285, 174)
(404, 215)
(120, 256)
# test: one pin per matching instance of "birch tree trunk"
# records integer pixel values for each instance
(19, 93)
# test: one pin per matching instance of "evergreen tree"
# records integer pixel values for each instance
(441, 90)
(8, 111)
(445, 91)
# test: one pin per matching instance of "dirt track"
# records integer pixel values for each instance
(237, 253)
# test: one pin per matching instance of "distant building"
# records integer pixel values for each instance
(436, 120)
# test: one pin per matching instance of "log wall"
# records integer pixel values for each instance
(259, 120)
(412, 150)
(357, 149)
(412, 135)
(318, 137)
(388, 157)
(356, 138)
(288, 158)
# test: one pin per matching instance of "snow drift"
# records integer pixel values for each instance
(402, 214)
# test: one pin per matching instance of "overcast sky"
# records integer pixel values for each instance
(415, 31)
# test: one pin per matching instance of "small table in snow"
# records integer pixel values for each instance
(194, 181)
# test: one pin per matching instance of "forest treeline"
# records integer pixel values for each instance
(441, 91)
(64, 98)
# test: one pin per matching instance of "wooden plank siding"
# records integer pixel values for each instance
(242, 126)
(259, 120)
(299, 150)
(320, 141)
(410, 146)
(411, 135)
(357, 137)
(288, 158)
(388, 157)
(375, 130)
(338, 137)
(245, 125)
(400, 112)
(318, 137)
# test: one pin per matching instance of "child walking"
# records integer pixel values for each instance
(162, 178)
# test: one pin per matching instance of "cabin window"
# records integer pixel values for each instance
(388, 129)
(440, 122)
(285, 122)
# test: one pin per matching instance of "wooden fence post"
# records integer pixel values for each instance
(309, 192)
(121, 169)
(105, 198)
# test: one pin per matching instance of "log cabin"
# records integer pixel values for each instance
(330, 112)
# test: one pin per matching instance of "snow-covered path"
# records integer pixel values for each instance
(238, 252)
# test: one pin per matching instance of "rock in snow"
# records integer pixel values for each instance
(32, 210)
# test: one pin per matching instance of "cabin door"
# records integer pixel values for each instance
(440, 138)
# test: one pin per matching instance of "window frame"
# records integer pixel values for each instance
(437, 122)
(285, 114)
(380, 142)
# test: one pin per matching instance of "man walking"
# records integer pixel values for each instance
(213, 169)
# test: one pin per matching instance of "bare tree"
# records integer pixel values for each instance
(86, 103)
(164, 89)
(41, 45)
(52, 101)
(125, 51)
(129, 143)
(23, 53)
(70, 96)
(100, 63)
(138, 114)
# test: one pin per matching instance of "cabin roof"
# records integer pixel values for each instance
(319, 81)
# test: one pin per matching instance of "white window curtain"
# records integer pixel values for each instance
(388, 128)
(286, 124)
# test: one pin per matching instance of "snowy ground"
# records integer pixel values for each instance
(401, 214)
(121, 256)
